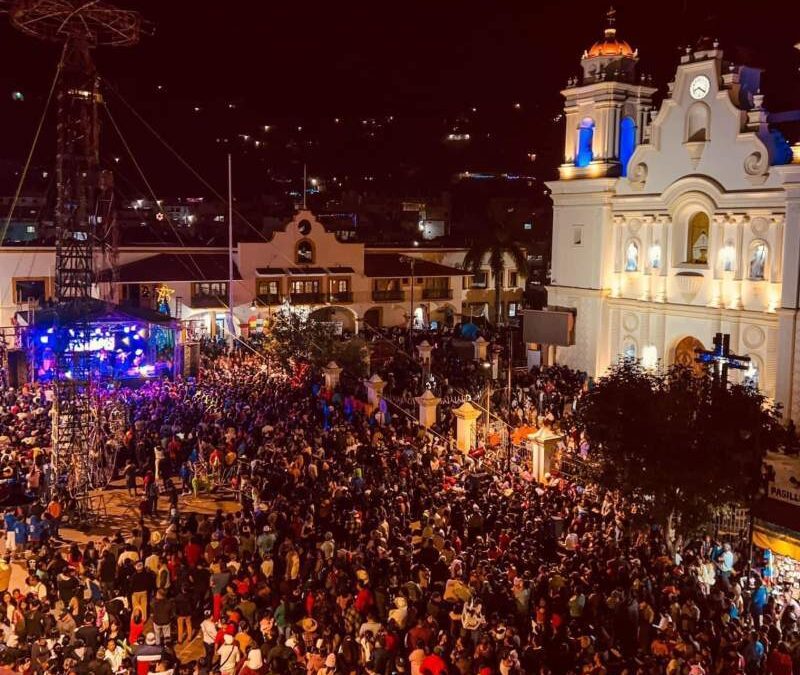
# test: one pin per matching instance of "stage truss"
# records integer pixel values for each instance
(83, 215)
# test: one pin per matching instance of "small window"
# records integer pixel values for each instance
(697, 123)
(480, 279)
(583, 156)
(339, 285)
(305, 252)
(577, 235)
(632, 257)
(629, 350)
(512, 279)
(655, 256)
(27, 290)
(697, 244)
(758, 261)
(268, 287)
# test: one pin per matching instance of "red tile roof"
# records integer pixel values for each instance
(166, 267)
(393, 265)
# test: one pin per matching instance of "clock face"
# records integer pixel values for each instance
(699, 87)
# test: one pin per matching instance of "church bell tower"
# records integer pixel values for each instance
(606, 108)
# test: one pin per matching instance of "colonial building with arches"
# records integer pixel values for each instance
(675, 223)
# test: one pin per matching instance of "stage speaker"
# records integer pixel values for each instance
(17, 368)
(191, 359)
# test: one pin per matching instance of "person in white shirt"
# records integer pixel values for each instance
(208, 629)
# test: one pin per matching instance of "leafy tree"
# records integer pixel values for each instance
(677, 444)
(296, 337)
(496, 238)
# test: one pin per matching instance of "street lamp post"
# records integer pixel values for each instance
(487, 373)
(411, 261)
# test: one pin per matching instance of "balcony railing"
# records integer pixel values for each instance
(307, 298)
(269, 298)
(437, 293)
(388, 296)
(209, 301)
(342, 296)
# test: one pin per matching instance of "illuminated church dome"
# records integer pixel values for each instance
(609, 58)
(610, 46)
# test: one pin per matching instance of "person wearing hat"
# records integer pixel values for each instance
(228, 655)
(146, 654)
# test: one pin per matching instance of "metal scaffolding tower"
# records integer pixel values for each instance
(83, 215)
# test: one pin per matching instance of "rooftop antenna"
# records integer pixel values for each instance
(305, 185)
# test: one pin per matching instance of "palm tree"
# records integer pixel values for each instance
(495, 241)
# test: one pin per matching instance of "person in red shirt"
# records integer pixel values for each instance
(193, 552)
(433, 664)
(779, 661)
(364, 600)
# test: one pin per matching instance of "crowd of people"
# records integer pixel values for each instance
(364, 547)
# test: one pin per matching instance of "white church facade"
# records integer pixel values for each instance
(673, 224)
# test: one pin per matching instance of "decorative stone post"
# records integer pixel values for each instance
(543, 446)
(424, 350)
(374, 387)
(331, 373)
(480, 346)
(428, 404)
(466, 423)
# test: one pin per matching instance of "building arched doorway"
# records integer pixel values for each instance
(686, 354)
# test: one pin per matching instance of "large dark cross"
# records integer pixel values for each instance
(720, 358)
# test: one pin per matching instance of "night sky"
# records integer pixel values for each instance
(398, 75)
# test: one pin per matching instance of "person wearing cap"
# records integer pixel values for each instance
(147, 654)
(228, 655)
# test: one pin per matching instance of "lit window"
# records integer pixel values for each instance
(758, 261)
(697, 244)
(583, 156)
(632, 257)
(305, 252)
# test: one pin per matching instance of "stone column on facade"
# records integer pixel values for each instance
(466, 424)
(428, 404)
(480, 346)
(775, 255)
(735, 299)
(646, 239)
(332, 372)
(659, 276)
(374, 387)
(717, 235)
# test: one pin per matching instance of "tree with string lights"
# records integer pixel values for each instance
(678, 445)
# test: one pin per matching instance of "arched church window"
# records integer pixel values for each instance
(655, 256)
(758, 260)
(632, 257)
(750, 378)
(697, 243)
(629, 349)
(304, 252)
(627, 142)
(585, 136)
(697, 123)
